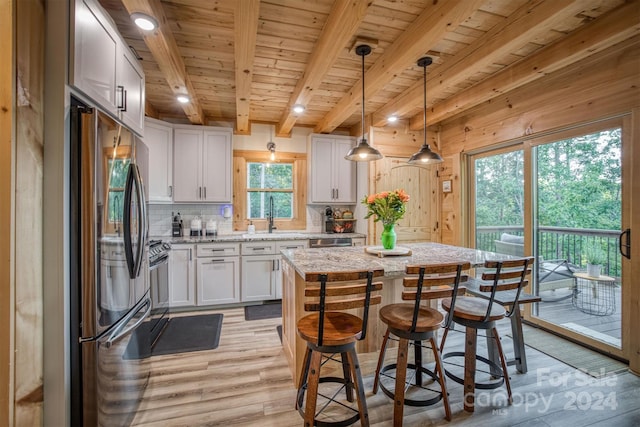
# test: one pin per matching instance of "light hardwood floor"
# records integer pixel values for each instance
(246, 382)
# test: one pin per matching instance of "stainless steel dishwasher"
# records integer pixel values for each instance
(330, 242)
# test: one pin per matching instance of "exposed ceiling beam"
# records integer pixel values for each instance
(522, 26)
(614, 27)
(434, 22)
(164, 49)
(246, 31)
(343, 21)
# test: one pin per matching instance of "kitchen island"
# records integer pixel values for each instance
(298, 263)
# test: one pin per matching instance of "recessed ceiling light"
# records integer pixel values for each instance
(298, 108)
(392, 119)
(144, 21)
(183, 99)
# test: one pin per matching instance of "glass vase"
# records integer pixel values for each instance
(388, 237)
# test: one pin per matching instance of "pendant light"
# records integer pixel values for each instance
(363, 152)
(425, 155)
(271, 147)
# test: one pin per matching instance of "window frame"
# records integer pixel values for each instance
(268, 190)
(299, 161)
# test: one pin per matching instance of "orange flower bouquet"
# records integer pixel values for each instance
(387, 206)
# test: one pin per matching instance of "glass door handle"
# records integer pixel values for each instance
(627, 245)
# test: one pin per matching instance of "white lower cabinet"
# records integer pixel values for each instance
(224, 273)
(261, 277)
(259, 266)
(218, 274)
(182, 276)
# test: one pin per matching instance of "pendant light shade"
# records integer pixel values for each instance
(425, 155)
(363, 152)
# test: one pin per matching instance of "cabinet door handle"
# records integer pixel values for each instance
(205, 193)
(199, 192)
(109, 275)
(214, 261)
(171, 191)
(258, 249)
(278, 267)
(120, 90)
(190, 254)
(337, 193)
(273, 265)
(218, 249)
(124, 107)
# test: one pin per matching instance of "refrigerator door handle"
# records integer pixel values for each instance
(126, 225)
(134, 183)
(142, 219)
(120, 332)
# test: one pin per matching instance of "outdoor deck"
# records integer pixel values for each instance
(563, 312)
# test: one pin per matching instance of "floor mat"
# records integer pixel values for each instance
(182, 335)
(595, 364)
(264, 311)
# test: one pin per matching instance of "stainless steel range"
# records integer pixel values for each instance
(159, 283)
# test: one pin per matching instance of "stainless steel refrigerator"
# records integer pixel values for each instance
(109, 286)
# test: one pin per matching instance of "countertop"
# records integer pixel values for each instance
(244, 237)
(355, 258)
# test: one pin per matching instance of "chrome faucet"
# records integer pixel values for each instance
(270, 215)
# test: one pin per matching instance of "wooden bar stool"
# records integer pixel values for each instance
(329, 331)
(477, 313)
(415, 323)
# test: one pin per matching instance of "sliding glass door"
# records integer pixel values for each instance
(577, 222)
(560, 198)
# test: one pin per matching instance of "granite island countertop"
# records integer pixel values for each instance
(355, 258)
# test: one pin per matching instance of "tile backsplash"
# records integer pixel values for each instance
(161, 215)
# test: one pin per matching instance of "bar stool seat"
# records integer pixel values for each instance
(475, 309)
(339, 328)
(411, 322)
(329, 331)
(400, 316)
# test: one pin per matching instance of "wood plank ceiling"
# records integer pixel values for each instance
(246, 61)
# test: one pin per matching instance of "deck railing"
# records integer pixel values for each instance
(561, 243)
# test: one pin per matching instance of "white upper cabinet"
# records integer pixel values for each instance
(95, 55)
(104, 68)
(130, 90)
(332, 179)
(202, 160)
(158, 137)
(216, 171)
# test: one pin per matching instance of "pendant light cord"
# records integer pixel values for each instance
(424, 105)
(363, 95)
